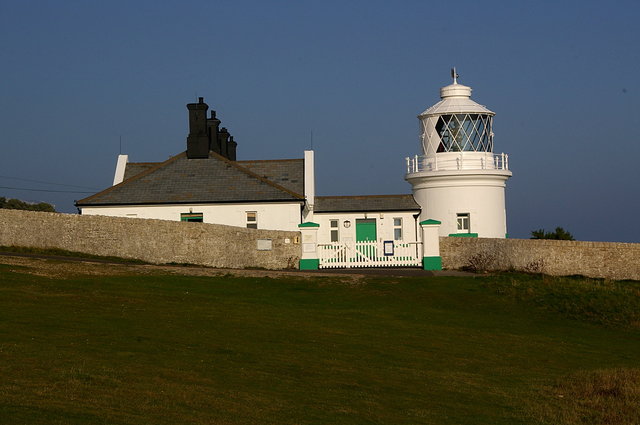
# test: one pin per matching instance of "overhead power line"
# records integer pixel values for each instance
(43, 190)
(49, 183)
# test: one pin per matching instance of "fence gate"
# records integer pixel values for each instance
(340, 255)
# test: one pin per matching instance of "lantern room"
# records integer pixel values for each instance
(456, 123)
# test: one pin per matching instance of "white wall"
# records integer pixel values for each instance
(384, 225)
(482, 196)
(271, 216)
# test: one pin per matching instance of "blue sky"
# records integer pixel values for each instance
(562, 77)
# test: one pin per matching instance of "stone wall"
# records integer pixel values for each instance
(594, 259)
(154, 241)
(214, 245)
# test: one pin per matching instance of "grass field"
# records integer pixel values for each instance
(150, 348)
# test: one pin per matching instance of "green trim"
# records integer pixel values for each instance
(430, 221)
(192, 217)
(309, 264)
(309, 224)
(432, 263)
(463, 235)
(506, 236)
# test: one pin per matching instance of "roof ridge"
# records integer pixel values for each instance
(364, 196)
(271, 160)
(134, 177)
(252, 174)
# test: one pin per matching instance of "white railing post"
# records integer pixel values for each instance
(408, 167)
(506, 164)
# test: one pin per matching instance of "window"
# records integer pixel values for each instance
(465, 132)
(464, 225)
(192, 217)
(397, 229)
(252, 220)
(334, 231)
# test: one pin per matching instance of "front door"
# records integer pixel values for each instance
(366, 232)
(366, 229)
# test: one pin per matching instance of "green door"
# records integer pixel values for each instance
(366, 229)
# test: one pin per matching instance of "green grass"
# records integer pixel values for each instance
(171, 349)
(603, 301)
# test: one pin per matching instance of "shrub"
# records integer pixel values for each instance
(558, 234)
(535, 266)
(16, 204)
(480, 262)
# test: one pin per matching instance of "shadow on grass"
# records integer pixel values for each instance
(56, 252)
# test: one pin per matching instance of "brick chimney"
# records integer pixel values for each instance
(198, 139)
(231, 149)
(213, 127)
(223, 140)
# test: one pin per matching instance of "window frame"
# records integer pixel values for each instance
(396, 228)
(251, 219)
(461, 219)
(334, 231)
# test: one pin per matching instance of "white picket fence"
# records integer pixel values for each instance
(340, 255)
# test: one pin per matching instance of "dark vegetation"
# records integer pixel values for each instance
(558, 234)
(57, 252)
(606, 396)
(140, 349)
(16, 204)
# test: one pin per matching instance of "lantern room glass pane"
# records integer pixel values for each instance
(465, 133)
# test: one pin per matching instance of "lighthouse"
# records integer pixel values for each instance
(457, 179)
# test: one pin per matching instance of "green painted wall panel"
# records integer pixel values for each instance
(432, 263)
(309, 264)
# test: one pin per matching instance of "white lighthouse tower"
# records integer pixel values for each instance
(457, 179)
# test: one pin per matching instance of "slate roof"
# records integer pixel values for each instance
(365, 203)
(182, 180)
(134, 168)
(288, 173)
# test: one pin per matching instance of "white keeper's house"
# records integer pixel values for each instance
(458, 187)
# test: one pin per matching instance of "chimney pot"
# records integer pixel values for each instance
(201, 100)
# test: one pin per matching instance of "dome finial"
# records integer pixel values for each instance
(454, 75)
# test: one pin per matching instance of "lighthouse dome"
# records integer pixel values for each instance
(456, 99)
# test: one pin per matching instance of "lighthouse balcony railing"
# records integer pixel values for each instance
(461, 161)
